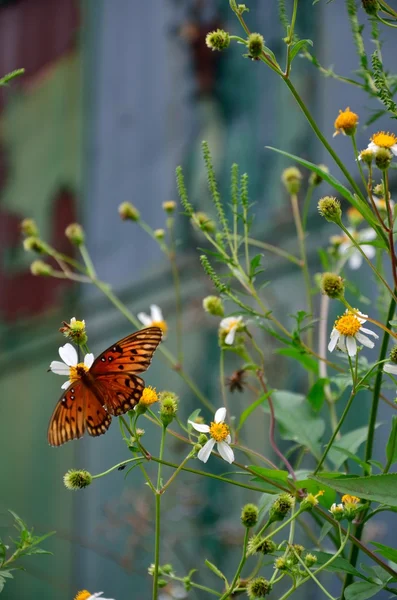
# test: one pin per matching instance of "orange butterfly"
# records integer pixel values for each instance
(99, 388)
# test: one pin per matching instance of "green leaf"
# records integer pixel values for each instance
(251, 409)
(307, 361)
(362, 590)
(353, 457)
(215, 570)
(298, 46)
(273, 474)
(386, 552)
(337, 565)
(357, 203)
(4, 80)
(316, 393)
(351, 442)
(312, 487)
(391, 447)
(325, 529)
(192, 417)
(377, 488)
(296, 421)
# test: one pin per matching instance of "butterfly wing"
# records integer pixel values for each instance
(115, 370)
(78, 409)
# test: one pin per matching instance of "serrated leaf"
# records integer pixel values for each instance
(250, 409)
(215, 570)
(306, 361)
(386, 551)
(377, 488)
(296, 421)
(362, 590)
(316, 395)
(339, 564)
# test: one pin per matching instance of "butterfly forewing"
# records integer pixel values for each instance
(77, 410)
(132, 354)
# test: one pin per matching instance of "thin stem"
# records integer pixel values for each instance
(311, 574)
(275, 250)
(232, 586)
(306, 204)
(158, 516)
(358, 161)
(87, 261)
(175, 473)
(390, 220)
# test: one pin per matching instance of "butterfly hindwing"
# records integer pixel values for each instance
(132, 354)
(77, 410)
(120, 392)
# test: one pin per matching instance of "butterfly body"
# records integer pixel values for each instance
(109, 387)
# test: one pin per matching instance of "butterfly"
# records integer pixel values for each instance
(109, 387)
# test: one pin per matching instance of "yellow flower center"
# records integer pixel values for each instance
(149, 396)
(346, 121)
(83, 595)
(348, 324)
(77, 372)
(347, 499)
(162, 324)
(383, 139)
(381, 204)
(219, 431)
(231, 325)
(77, 325)
(354, 215)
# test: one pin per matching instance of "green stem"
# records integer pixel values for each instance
(158, 515)
(87, 261)
(306, 204)
(353, 139)
(175, 473)
(371, 432)
(275, 250)
(232, 586)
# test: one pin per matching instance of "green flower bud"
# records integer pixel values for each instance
(167, 569)
(75, 234)
(202, 221)
(159, 234)
(39, 267)
(367, 156)
(217, 40)
(292, 178)
(330, 209)
(393, 354)
(310, 560)
(169, 206)
(214, 306)
(127, 211)
(258, 588)
(280, 564)
(316, 179)
(295, 549)
(260, 545)
(29, 227)
(379, 190)
(256, 45)
(75, 331)
(371, 7)
(383, 158)
(281, 507)
(168, 407)
(35, 244)
(332, 285)
(249, 515)
(162, 583)
(77, 480)
(202, 439)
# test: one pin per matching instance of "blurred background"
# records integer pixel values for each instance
(115, 96)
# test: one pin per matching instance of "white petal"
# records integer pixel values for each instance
(369, 332)
(366, 235)
(351, 345)
(220, 415)
(229, 339)
(372, 146)
(224, 324)
(206, 450)
(65, 385)
(59, 368)
(342, 343)
(228, 439)
(200, 427)
(356, 260)
(334, 339)
(390, 368)
(394, 149)
(226, 452)
(364, 340)
(344, 247)
(69, 355)
(72, 321)
(144, 319)
(88, 360)
(155, 312)
(369, 251)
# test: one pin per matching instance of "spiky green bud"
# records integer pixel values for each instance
(332, 285)
(77, 479)
(217, 40)
(249, 515)
(329, 208)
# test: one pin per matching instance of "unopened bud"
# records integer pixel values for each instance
(203, 222)
(371, 7)
(75, 234)
(292, 178)
(38, 267)
(29, 227)
(332, 285)
(169, 206)
(217, 40)
(35, 244)
(383, 158)
(249, 515)
(77, 479)
(214, 306)
(315, 178)
(128, 211)
(329, 208)
(256, 44)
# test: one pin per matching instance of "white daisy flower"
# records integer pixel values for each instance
(346, 246)
(390, 368)
(348, 331)
(155, 318)
(70, 367)
(229, 328)
(381, 139)
(84, 595)
(220, 435)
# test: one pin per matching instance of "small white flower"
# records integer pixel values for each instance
(347, 247)
(70, 367)
(390, 368)
(84, 595)
(229, 327)
(155, 318)
(220, 435)
(348, 331)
